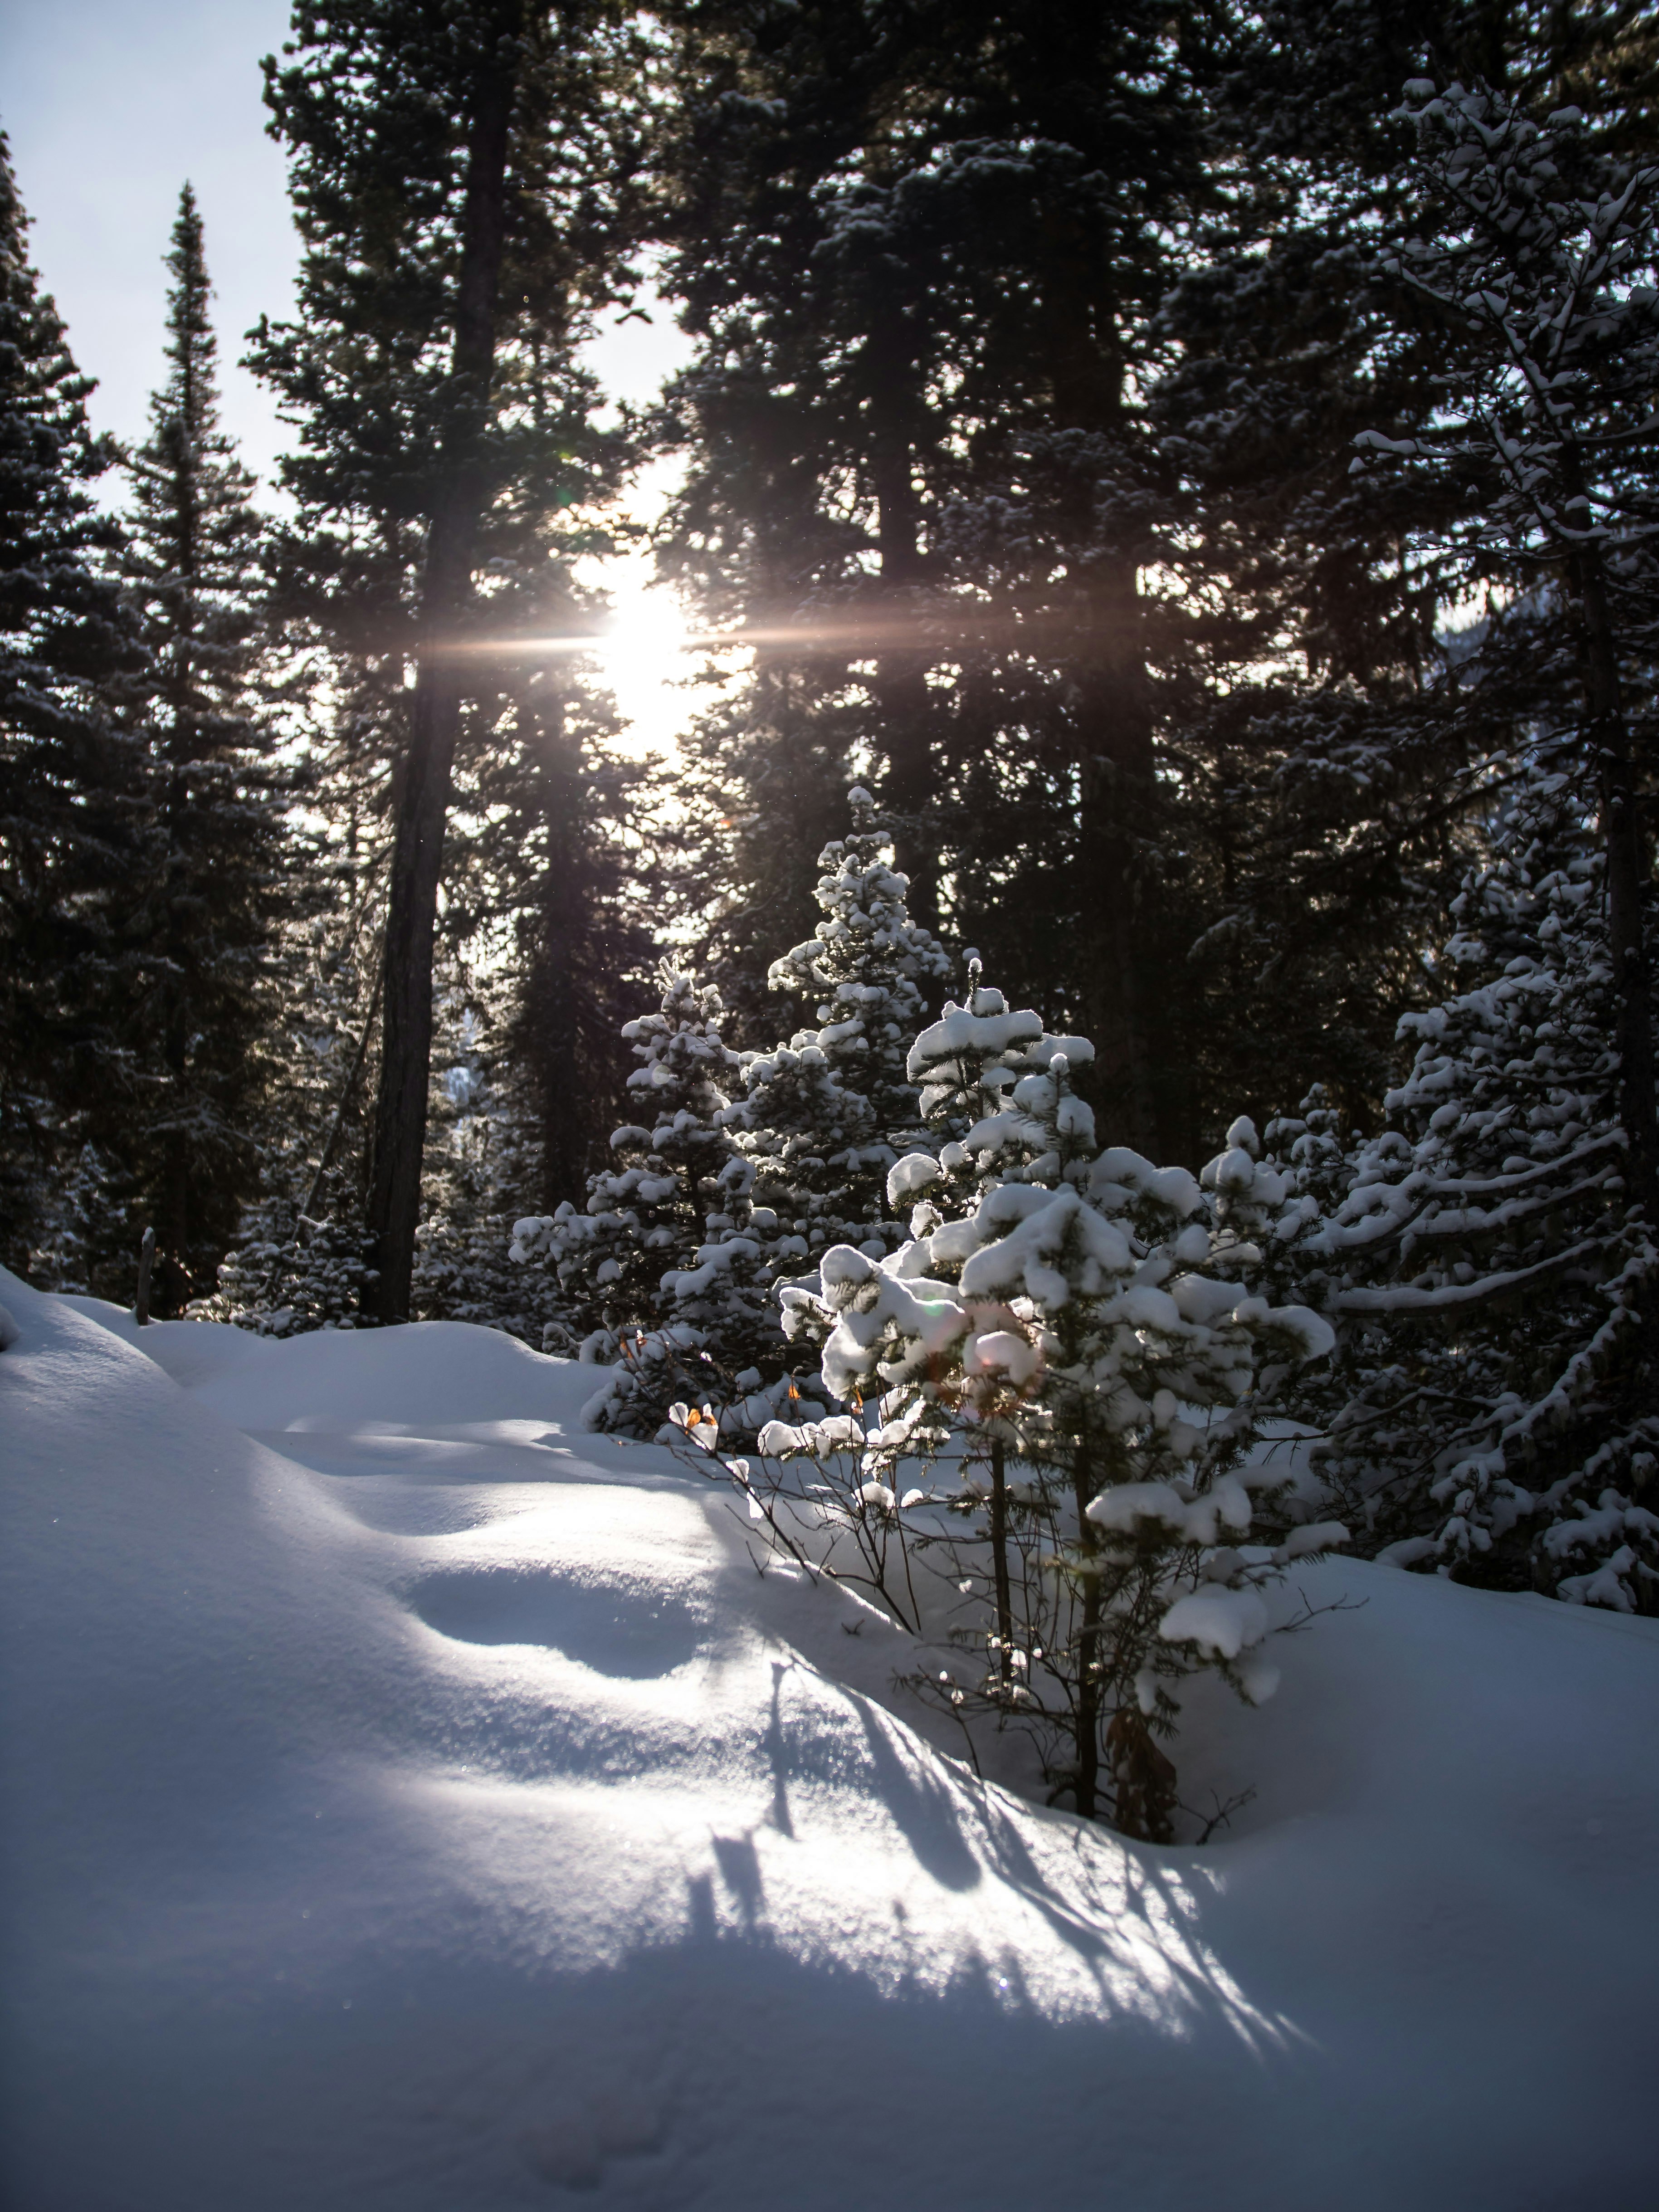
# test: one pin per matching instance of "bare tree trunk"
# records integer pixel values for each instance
(1628, 884)
(424, 784)
(146, 1261)
(1000, 1563)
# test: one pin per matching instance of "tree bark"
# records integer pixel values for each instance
(900, 679)
(1627, 883)
(424, 784)
(1000, 1563)
(1088, 1649)
(1116, 788)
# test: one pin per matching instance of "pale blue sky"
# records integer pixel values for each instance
(110, 105)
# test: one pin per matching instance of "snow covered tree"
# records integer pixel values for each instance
(1540, 248)
(822, 1116)
(653, 1260)
(299, 1258)
(72, 798)
(967, 1065)
(1330, 762)
(480, 1156)
(1062, 1329)
(1490, 1409)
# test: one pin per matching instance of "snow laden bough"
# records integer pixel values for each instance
(1052, 1393)
(1491, 1409)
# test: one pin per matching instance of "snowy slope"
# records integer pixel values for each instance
(412, 1802)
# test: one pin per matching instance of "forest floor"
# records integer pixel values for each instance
(414, 1804)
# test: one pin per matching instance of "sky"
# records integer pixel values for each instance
(110, 106)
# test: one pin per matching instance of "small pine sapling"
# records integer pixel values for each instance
(628, 1264)
(821, 1116)
(1059, 1340)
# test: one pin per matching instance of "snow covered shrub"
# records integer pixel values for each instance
(1061, 1343)
(1492, 1408)
(288, 1273)
(656, 1265)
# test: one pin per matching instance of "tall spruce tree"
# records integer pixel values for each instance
(1542, 249)
(72, 800)
(461, 180)
(820, 1112)
(200, 928)
(1489, 1412)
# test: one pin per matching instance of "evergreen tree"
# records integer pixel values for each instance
(1059, 1330)
(72, 798)
(461, 180)
(479, 1159)
(1538, 244)
(565, 860)
(941, 239)
(1333, 788)
(1490, 1409)
(652, 1256)
(821, 1116)
(200, 928)
(298, 1261)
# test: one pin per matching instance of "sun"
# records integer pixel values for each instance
(643, 658)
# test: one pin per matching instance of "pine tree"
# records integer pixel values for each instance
(1331, 807)
(461, 182)
(1539, 241)
(941, 236)
(651, 1259)
(1060, 1327)
(479, 1160)
(299, 1260)
(72, 800)
(565, 858)
(821, 1116)
(198, 922)
(1489, 1411)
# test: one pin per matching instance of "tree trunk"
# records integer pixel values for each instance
(1117, 790)
(1628, 884)
(422, 786)
(901, 680)
(1000, 1563)
(1088, 1650)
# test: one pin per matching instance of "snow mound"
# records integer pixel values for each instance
(415, 1803)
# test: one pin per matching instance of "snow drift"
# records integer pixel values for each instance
(413, 1802)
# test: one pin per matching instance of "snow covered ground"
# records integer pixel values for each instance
(413, 1802)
